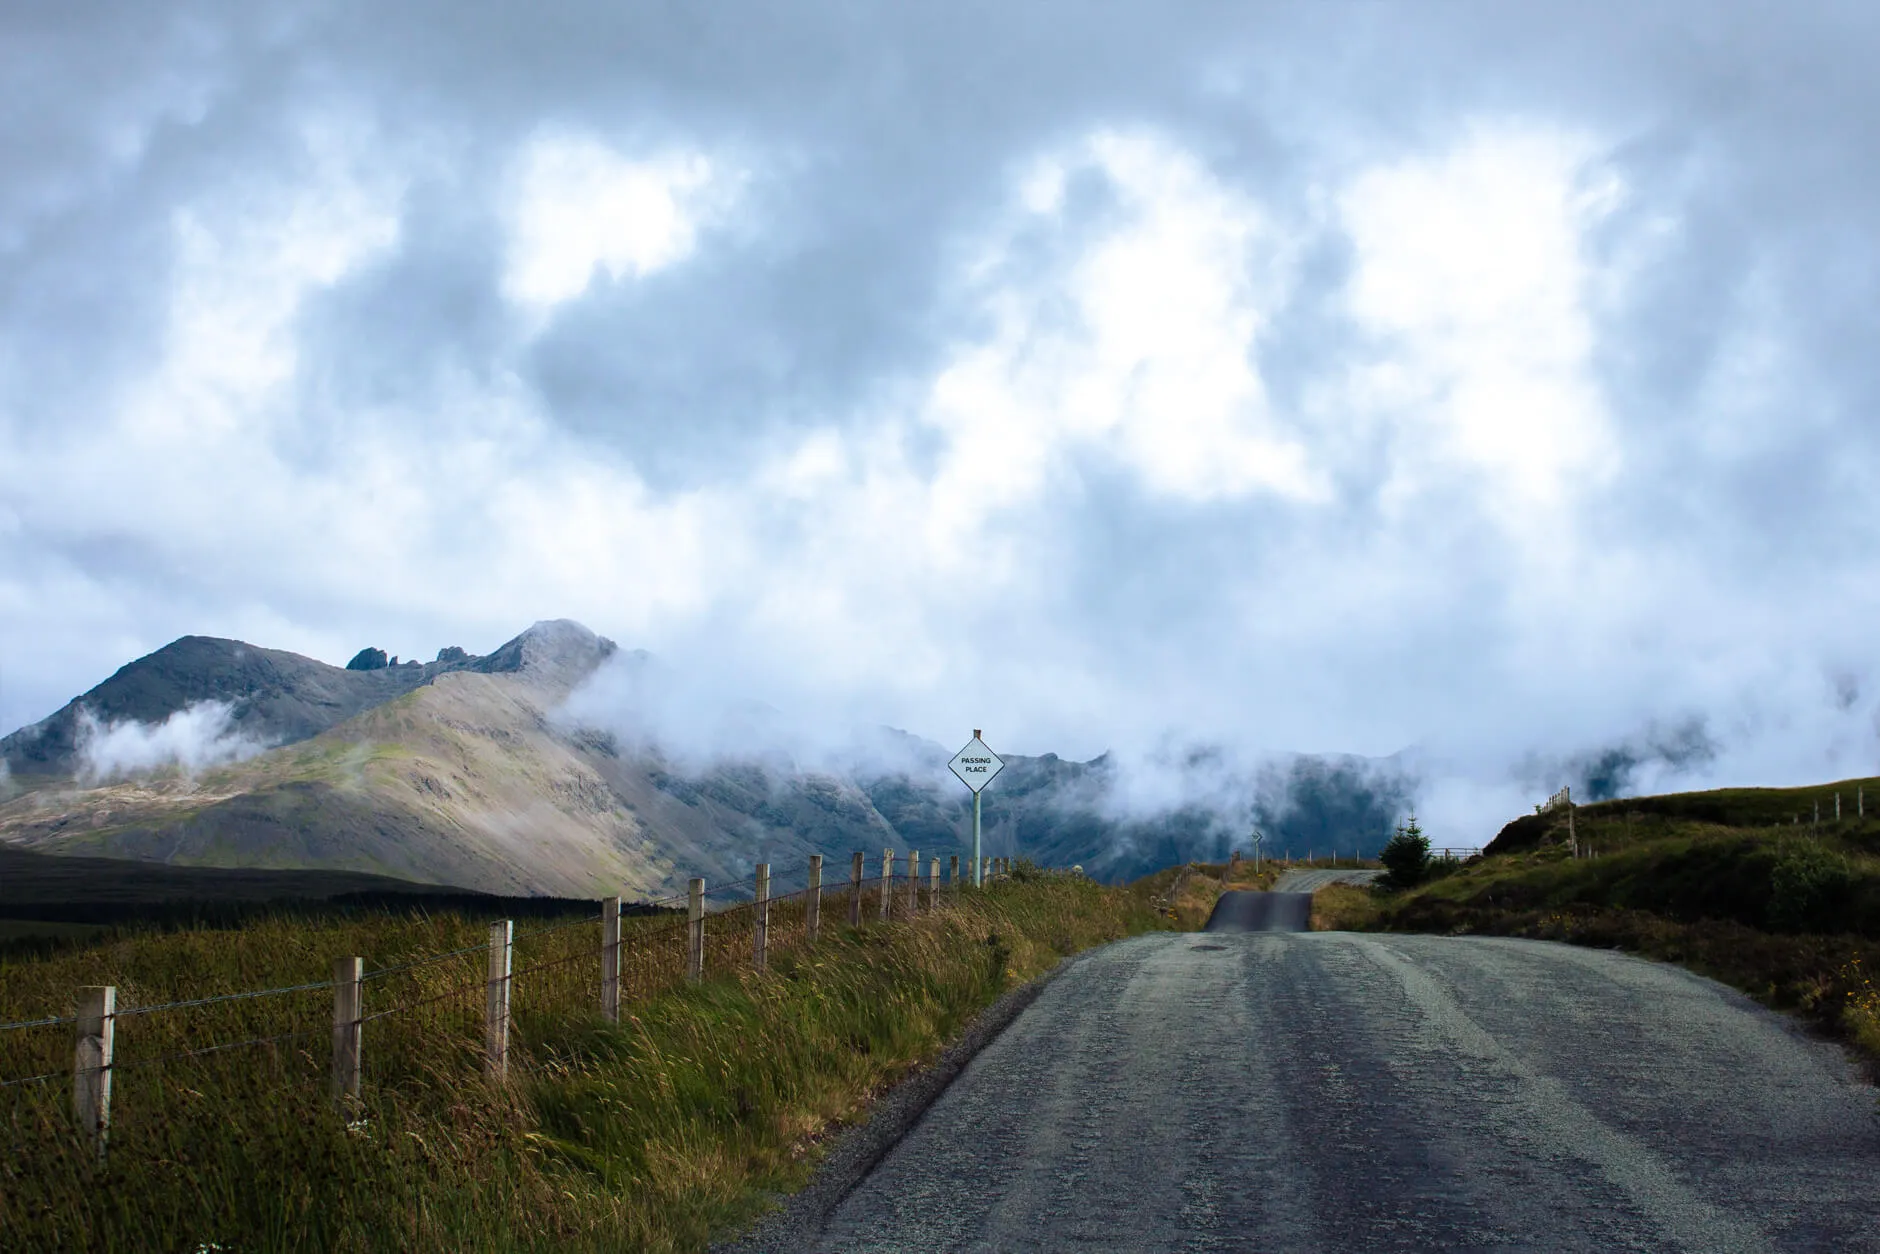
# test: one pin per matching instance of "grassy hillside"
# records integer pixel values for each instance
(1737, 884)
(650, 1134)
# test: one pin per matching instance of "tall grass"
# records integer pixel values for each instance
(651, 1133)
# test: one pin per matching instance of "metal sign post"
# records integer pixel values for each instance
(1258, 836)
(976, 765)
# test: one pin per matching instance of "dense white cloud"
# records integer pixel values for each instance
(1333, 380)
(580, 207)
(195, 738)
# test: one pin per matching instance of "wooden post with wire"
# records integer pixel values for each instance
(348, 1027)
(812, 900)
(496, 999)
(610, 960)
(953, 875)
(91, 1067)
(856, 860)
(760, 919)
(913, 882)
(933, 883)
(695, 940)
(887, 883)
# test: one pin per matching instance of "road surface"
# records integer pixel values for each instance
(1241, 911)
(1339, 1091)
(1313, 880)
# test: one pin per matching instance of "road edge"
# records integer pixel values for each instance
(803, 1214)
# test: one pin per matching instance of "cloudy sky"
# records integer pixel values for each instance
(1495, 381)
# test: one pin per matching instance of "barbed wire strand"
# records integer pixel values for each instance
(139, 1064)
(557, 927)
(455, 991)
(34, 1079)
(210, 1001)
(38, 1023)
(415, 963)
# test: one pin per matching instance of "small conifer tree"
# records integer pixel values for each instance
(1406, 857)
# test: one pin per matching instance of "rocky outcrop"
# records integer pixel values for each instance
(368, 659)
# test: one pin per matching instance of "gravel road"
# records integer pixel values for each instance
(1312, 881)
(1338, 1091)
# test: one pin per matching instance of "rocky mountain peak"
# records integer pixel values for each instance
(556, 652)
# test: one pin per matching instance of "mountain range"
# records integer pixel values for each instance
(470, 771)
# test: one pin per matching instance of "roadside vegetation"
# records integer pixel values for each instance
(674, 1125)
(1184, 895)
(1746, 886)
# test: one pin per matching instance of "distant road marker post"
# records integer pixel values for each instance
(976, 766)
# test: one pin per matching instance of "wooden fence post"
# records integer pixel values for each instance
(760, 919)
(812, 900)
(933, 884)
(855, 887)
(887, 883)
(496, 999)
(913, 882)
(695, 947)
(91, 1068)
(953, 875)
(610, 960)
(348, 1027)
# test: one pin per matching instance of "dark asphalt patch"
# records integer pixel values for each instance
(1261, 912)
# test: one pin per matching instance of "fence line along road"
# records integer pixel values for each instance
(94, 1058)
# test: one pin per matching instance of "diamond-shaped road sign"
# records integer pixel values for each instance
(976, 765)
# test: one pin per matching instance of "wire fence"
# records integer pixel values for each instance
(414, 1019)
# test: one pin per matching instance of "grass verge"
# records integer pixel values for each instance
(1185, 895)
(653, 1134)
(1787, 913)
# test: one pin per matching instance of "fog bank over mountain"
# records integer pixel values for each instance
(1120, 813)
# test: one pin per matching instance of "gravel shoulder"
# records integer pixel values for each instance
(1339, 1091)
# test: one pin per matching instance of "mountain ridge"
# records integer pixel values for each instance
(470, 771)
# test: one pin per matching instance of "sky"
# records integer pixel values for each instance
(1486, 383)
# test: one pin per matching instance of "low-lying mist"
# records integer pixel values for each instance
(195, 738)
(1123, 813)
